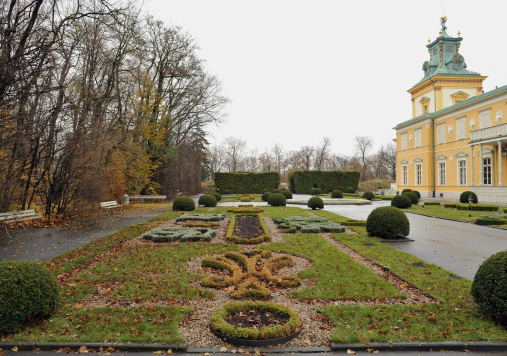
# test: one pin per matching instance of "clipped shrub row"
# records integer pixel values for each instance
(352, 222)
(432, 203)
(473, 207)
(310, 224)
(302, 181)
(388, 222)
(249, 210)
(490, 221)
(181, 234)
(201, 217)
(246, 182)
(219, 324)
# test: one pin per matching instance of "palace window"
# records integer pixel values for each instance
(440, 133)
(486, 170)
(441, 173)
(417, 138)
(461, 128)
(418, 174)
(462, 172)
(404, 175)
(485, 118)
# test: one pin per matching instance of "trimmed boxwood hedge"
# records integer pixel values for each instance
(387, 222)
(484, 207)
(416, 192)
(217, 196)
(432, 203)
(183, 203)
(28, 291)
(401, 201)
(463, 198)
(489, 287)
(490, 221)
(208, 200)
(406, 191)
(412, 196)
(302, 181)
(350, 190)
(246, 182)
(368, 195)
(315, 203)
(277, 199)
(337, 194)
(265, 196)
(287, 194)
(219, 324)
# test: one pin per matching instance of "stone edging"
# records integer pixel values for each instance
(484, 346)
(462, 221)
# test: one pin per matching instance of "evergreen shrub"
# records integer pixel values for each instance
(287, 194)
(417, 193)
(28, 291)
(276, 191)
(432, 203)
(406, 191)
(350, 190)
(183, 203)
(463, 198)
(315, 203)
(217, 196)
(277, 199)
(401, 202)
(315, 191)
(489, 287)
(484, 207)
(208, 200)
(265, 190)
(412, 196)
(246, 182)
(490, 221)
(368, 195)
(337, 194)
(302, 181)
(265, 196)
(387, 222)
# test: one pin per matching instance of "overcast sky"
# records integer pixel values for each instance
(296, 71)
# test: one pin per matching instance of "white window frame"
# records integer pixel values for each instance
(404, 141)
(404, 174)
(418, 174)
(464, 176)
(490, 157)
(441, 133)
(485, 118)
(418, 138)
(442, 182)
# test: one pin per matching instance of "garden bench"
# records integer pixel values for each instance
(142, 198)
(110, 205)
(18, 216)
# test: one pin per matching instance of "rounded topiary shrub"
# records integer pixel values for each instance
(277, 199)
(315, 203)
(368, 195)
(412, 196)
(337, 194)
(184, 203)
(401, 201)
(489, 287)
(276, 191)
(387, 222)
(208, 200)
(417, 193)
(463, 198)
(406, 191)
(315, 191)
(217, 196)
(28, 291)
(350, 190)
(265, 196)
(265, 190)
(287, 194)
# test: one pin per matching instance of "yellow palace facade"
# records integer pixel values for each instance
(457, 137)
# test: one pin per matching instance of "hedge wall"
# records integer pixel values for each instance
(302, 181)
(246, 182)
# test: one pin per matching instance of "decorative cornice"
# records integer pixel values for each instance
(418, 159)
(441, 157)
(487, 109)
(438, 88)
(461, 154)
(404, 162)
(480, 88)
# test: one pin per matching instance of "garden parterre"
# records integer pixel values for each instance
(127, 289)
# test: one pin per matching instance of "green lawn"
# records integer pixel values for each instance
(157, 273)
(449, 213)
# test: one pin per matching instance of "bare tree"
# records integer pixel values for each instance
(363, 146)
(306, 153)
(321, 153)
(251, 161)
(266, 161)
(235, 150)
(215, 158)
(390, 159)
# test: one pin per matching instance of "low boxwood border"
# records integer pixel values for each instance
(219, 324)
(432, 203)
(352, 222)
(238, 240)
(490, 221)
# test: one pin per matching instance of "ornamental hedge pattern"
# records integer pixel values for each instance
(302, 181)
(246, 182)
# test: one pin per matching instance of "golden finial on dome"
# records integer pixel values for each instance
(459, 33)
(429, 40)
(440, 33)
(443, 17)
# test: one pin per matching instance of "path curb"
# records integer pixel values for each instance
(481, 346)
(461, 221)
